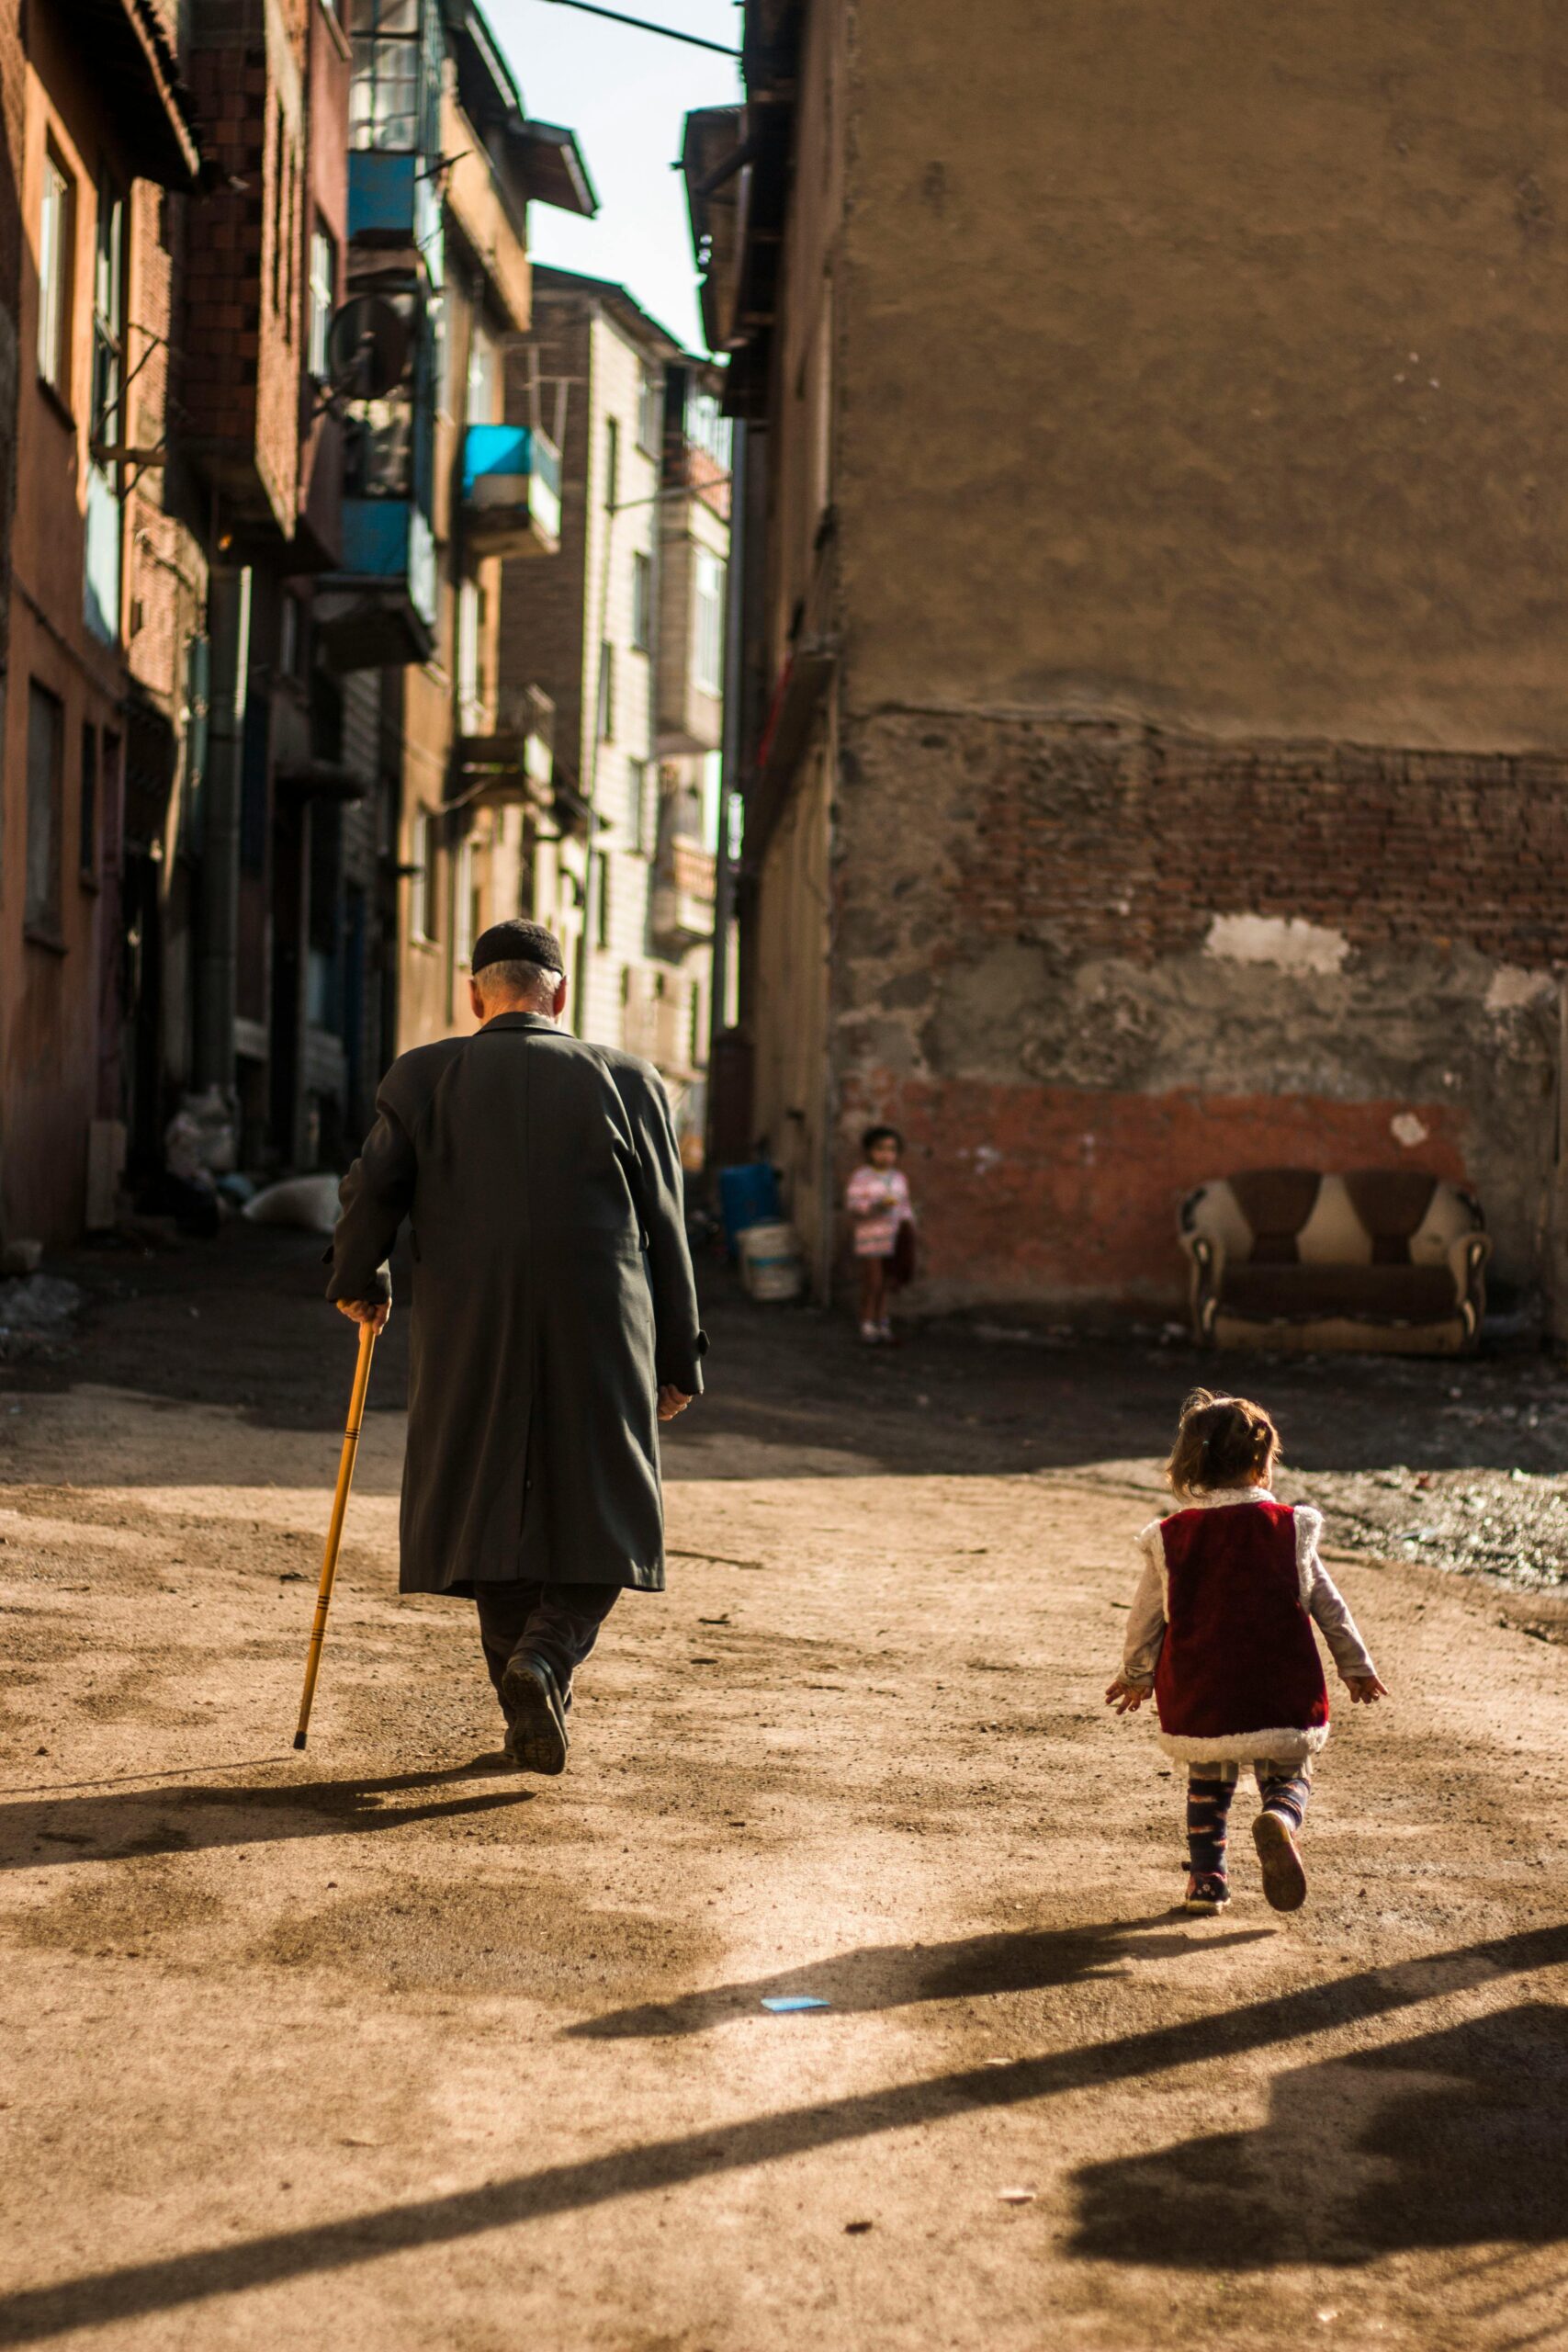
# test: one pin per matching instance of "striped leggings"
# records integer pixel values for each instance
(1283, 1787)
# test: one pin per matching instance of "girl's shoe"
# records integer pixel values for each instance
(885, 1332)
(871, 1333)
(1206, 1892)
(1284, 1880)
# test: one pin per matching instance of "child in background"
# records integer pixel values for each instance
(878, 1201)
(1220, 1630)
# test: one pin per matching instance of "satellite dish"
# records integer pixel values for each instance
(369, 344)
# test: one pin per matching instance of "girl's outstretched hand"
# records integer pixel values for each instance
(1365, 1688)
(1128, 1697)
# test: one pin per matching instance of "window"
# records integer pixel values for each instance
(708, 622)
(385, 97)
(468, 908)
(642, 603)
(484, 377)
(709, 428)
(101, 571)
(606, 693)
(637, 793)
(56, 236)
(604, 902)
(425, 924)
(323, 300)
(109, 319)
(87, 823)
(649, 412)
(612, 464)
(46, 753)
(471, 621)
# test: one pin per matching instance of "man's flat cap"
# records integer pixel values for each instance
(518, 943)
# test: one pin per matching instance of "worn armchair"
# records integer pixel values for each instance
(1388, 1260)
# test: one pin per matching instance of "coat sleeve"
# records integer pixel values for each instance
(376, 1195)
(680, 1341)
(1145, 1618)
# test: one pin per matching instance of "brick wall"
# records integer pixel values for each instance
(1088, 966)
(241, 308)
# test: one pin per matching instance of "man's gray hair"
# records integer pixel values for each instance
(512, 976)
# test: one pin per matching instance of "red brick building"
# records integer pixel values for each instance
(97, 126)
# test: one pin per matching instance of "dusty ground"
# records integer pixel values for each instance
(366, 2049)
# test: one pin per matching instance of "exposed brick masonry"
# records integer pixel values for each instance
(1100, 840)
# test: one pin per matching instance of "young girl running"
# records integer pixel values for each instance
(1220, 1630)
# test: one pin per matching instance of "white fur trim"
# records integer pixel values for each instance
(1309, 1527)
(1228, 1495)
(1280, 1746)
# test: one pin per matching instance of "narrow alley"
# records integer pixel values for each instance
(435, 2057)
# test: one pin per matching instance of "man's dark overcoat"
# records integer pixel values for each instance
(552, 1295)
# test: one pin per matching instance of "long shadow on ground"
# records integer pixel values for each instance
(168, 2283)
(894, 1976)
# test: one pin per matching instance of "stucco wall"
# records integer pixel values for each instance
(1205, 364)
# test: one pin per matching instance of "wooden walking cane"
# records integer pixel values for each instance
(334, 1530)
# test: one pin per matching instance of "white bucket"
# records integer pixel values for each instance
(771, 1264)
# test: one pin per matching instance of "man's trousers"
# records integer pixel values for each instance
(559, 1622)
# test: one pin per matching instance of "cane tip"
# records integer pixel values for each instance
(298, 1739)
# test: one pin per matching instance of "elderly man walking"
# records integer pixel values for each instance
(554, 1317)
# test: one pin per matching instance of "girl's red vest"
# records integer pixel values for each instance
(1239, 1657)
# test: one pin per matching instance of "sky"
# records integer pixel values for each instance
(625, 94)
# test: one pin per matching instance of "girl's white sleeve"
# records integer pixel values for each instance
(1145, 1618)
(1325, 1604)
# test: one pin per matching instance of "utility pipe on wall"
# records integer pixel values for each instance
(228, 624)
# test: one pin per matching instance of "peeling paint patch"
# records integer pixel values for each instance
(1407, 1129)
(1289, 941)
(1511, 988)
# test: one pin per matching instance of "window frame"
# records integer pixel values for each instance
(649, 412)
(57, 275)
(322, 299)
(707, 621)
(377, 46)
(604, 712)
(41, 906)
(611, 465)
(89, 806)
(424, 913)
(642, 601)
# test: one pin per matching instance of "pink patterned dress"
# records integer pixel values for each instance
(878, 1200)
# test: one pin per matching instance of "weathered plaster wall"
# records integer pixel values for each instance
(1203, 364)
(1086, 966)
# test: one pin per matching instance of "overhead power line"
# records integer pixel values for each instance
(643, 24)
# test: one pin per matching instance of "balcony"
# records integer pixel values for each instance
(682, 911)
(511, 490)
(378, 611)
(657, 1021)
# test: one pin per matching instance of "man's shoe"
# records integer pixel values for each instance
(538, 1737)
(1284, 1880)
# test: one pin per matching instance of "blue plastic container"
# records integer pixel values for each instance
(748, 1195)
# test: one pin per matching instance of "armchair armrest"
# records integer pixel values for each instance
(1206, 1254)
(1467, 1264)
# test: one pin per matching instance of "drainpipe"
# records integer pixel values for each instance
(228, 624)
(729, 750)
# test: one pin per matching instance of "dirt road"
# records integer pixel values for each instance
(365, 2048)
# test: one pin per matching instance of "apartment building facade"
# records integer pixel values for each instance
(1156, 729)
(99, 140)
(255, 292)
(623, 636)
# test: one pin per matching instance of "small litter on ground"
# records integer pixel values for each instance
(1017, 2196)
(784, 2004)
